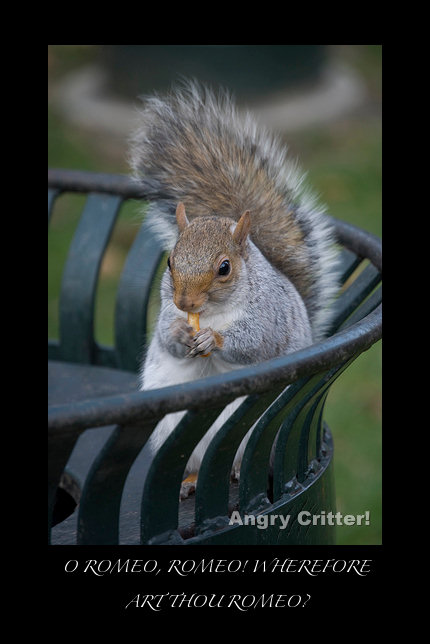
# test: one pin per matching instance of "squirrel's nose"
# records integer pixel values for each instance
(187, 303)
(184, 303)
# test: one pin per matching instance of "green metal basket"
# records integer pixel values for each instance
(106, 488)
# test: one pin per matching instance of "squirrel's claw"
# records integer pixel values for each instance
(204, 342)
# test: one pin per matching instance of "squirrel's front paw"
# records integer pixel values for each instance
(182, 332)
(181, 338)
(204, 342)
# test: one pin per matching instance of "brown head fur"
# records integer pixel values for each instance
(204, 245)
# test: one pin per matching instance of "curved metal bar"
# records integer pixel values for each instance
(160, 496)
(364, 309)
(254, 471)
(132, 300)
(310, 440)
(52, 195)
(309, 423)
(99, 507)
(290, 456)
(352, 297)
(83, 181)
(59, 452)
(80, 276)
(220, 389)
(213, 485)
(360, 242)
(348, 262)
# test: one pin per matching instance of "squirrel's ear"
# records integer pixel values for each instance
(242, 228)
(181, 217)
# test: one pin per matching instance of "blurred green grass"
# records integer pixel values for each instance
(343, 161)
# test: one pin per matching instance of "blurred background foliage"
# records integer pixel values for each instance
(92, 98)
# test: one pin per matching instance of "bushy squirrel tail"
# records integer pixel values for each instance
(194, 146)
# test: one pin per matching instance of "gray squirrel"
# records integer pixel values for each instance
(251, 249)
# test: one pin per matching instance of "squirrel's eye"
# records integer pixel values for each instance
(224, 268)
(168, 263)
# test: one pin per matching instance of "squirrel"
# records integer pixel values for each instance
(250, 248)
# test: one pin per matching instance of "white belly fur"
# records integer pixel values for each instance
(163, 370)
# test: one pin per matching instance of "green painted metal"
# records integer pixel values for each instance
(353, 296)
(159, 510)
(98, 517)
(287, 465)
(131, 309)
(80, 276)
(316, 495)
(212, 493)
(52, 195)
(59, 449)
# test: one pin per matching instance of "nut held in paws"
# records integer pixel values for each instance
(193, 320)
